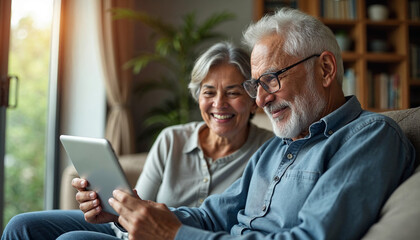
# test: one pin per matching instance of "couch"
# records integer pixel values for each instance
(399, 217)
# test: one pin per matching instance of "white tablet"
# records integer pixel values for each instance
(95, 161)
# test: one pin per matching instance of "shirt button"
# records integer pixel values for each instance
(201, 200)
(330, 132)
(276, 179)
(264, 208)
(289, 156)
(205, 180)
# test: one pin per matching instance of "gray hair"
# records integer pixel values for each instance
(304, 35)
(219, 53)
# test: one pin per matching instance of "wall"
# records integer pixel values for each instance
(173, 11)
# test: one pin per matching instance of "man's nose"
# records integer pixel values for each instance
(263, 97)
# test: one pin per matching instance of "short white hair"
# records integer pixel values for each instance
(303, 34)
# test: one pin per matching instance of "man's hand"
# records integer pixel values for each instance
(144, 219)
(89, 203)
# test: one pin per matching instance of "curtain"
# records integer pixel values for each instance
(117, 44)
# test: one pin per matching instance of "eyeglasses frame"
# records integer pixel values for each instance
(265, 87)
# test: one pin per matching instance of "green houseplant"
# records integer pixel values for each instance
(176, 48)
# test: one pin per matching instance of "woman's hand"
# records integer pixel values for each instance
(144, 219)
(89, 203)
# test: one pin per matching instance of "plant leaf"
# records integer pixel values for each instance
(140, 62)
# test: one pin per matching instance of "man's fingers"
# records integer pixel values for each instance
(144, 219)
(125, 218)
(125, 198)
(117, 206)
(122, 204)
(124, 222)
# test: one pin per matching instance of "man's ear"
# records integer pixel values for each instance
(328, 68)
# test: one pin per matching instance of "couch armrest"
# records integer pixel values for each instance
(131, 164)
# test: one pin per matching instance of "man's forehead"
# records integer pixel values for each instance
(267, 55)
(269, 43)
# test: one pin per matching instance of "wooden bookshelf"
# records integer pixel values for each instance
(398, 32)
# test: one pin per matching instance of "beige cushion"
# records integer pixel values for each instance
(400, 216)
(409, 121)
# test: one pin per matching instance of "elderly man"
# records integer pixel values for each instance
(326, 174)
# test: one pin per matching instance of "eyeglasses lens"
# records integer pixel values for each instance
(251, 87)
(270, 83)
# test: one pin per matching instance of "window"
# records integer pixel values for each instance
(25, 131)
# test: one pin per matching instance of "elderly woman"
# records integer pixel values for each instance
(187, 162)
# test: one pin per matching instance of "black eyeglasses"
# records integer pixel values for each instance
(269, 81)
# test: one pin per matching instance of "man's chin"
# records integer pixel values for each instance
(284, 129)
(285, 133)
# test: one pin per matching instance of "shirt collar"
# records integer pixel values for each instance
(335, 120)
(342, 116)
(192, 142)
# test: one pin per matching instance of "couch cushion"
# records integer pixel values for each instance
(400, 216)
(133, 166)
(409, 121)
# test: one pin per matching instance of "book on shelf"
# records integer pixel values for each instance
(414, 10)
(338, 9)
(385, 90)
(414, 61)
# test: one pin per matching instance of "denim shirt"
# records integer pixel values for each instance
(329, 185)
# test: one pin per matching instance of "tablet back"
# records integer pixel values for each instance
(95, 161)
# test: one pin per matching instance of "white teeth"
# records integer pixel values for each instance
(222, 116)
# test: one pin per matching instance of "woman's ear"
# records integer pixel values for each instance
(328, 68)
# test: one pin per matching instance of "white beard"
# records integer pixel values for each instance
(306, 109)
